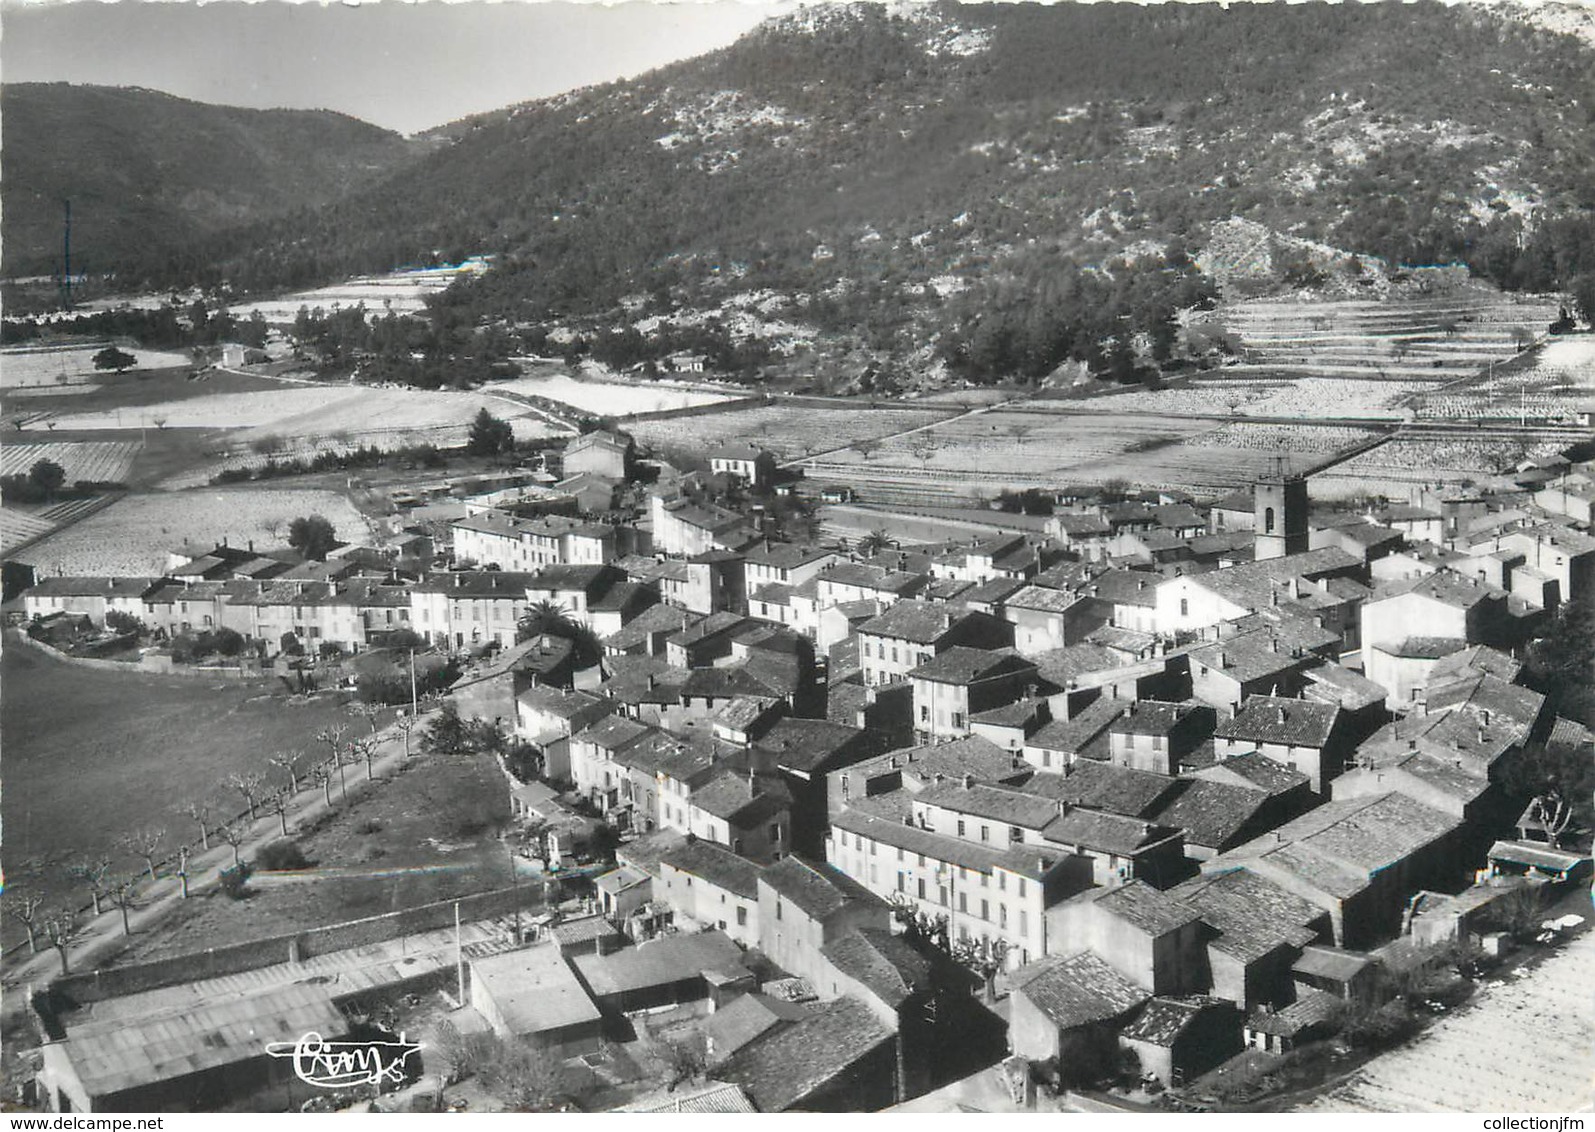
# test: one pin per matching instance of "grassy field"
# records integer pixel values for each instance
(91, 755)
(432, 828)
(791, 431)
(605, 398)
(27, 366)
(134, 535)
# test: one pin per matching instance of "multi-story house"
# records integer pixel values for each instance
(746, 463)
(686, 528)
(1047, 619)
(960, 682)
(1158, 736)
(575, 589)
(92, 597)
(1303, 735)
(910, 633)
(460, 610)
(856, 581)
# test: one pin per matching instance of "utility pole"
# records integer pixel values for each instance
(66, 260)
(459, 954)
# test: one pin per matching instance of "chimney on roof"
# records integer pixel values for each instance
(224, 540)
(459, 580)
(1281, 714)
(251, 546)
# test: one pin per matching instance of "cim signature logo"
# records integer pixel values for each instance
(339, 1065)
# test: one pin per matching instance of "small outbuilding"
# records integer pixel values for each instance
(1179, 1039)
(534, 994)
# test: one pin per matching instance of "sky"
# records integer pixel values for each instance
(400, 64)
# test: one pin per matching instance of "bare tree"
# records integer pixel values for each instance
(200, 812)
(251, 787)
(1553, 813)
(92, 871)
(923, 446)
(288, 762)
(234, 833)
(122, 897)
(323, 773)
(865, 447)
(61, 927)
(406, 724)
(332, 736)
(526, 1077)
(145, 843)
(687, 1058)
(338, 760)
(23, 906)
(364, 750)
(273, 528)
(278, 804)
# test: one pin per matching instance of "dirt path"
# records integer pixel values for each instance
(1523, 1045)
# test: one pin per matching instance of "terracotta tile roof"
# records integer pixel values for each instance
(1276, 719)
(994, 802)
(1252, 915)
(1077, 991)
(1165, 1019)
(743, 800)
(1212, 814)
(1114, 789)
(1138, 903)
(885, 963)
(715, 864)
(1077, 735)
(779, 1070)
(1106, 833)
(818, 889)
(1255, 770)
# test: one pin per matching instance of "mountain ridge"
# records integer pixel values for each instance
(1004, 185)
(146, 169)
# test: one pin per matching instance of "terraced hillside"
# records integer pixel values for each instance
(1441, 338)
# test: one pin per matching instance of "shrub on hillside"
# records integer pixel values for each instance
(281, 856)
(235, 881)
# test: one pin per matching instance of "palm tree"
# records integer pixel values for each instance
(545, 617)
(874, 542)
